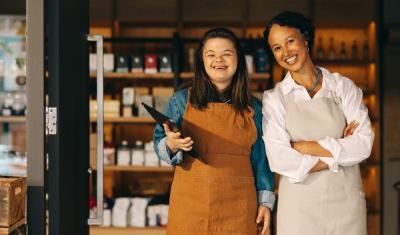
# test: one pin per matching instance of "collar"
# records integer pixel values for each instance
(288, 83)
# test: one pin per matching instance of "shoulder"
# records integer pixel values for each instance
(273, 96)
(180, 97)
(342, 85)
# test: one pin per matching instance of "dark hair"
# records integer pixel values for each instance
(293, 20)
(203, 91)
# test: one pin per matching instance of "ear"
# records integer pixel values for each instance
(306, 42)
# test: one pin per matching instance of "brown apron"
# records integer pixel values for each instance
(219, 197)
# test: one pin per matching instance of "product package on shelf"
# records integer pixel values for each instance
(137, 64)
(137, 212)
(150, 157)
(124, 154)
(165, 64)
(109, 154)
(108, 62)
(107, 215)
(120, 212)
(122, 64)
(150, 64)
(128, 99)
(157, 215)
(138, 154)
(111, 108)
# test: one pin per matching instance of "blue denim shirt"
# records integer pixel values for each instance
(264, 178)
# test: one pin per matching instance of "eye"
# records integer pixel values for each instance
(290, 41)
(227, 54)
(276, 49)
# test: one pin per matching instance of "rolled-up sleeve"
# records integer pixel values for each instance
(357, 147)
(282, 158)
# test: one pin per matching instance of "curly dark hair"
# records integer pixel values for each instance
(293, 20)
(203, 91)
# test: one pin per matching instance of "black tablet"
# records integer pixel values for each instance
(161, 118)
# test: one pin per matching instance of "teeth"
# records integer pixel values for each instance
(291, 60)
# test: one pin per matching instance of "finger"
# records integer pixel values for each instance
(186, 140)
(174, 135)
(353, 128)
(186, 149)
(166, 128)
(265, 226)
(183, 141)
(260, 215)
(187, 145)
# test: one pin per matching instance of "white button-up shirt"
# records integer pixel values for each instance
(348, 151)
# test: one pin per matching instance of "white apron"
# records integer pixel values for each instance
(326, 202)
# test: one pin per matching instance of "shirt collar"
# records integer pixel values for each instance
(288, 84)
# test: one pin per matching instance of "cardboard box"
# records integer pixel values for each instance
(12, 200)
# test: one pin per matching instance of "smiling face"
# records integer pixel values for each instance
(289, 47)
(220, 61)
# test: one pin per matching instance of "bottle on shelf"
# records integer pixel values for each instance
(124, 154)
(6, 109)
(342, 54)
(365, 50)
(138, 154)
(128, 99)
(320, 50)
(331, 50)
(354, 51)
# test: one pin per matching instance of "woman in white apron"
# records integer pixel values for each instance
(316, 132)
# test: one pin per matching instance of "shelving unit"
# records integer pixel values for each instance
(12, 119)
(185, 25)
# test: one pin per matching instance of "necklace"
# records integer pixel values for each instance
(315, 83)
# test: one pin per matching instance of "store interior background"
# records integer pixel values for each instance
(366, 47)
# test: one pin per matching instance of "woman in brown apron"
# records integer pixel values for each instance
(308, 143)
(221, 168)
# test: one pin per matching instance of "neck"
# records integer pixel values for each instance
(221, 87)
(306, 75)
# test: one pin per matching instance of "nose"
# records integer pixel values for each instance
(285, 51)
(218, 59)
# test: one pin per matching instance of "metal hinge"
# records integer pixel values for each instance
(51, 120)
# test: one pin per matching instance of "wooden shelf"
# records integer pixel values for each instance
(344, 62)
(13, 119)
(137, 168)
(253, 76)
(135, 76)
(125, 120)
(126, 231)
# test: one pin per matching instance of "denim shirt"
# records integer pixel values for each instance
(264, 178)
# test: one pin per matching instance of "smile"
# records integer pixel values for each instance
(220, 67)
(291, 60)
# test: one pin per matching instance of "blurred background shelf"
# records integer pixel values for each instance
(12, 119)
(145, 120)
